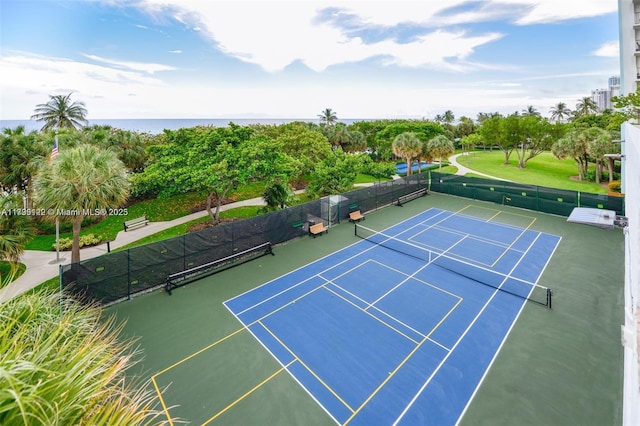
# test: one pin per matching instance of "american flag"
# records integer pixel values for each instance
(54, 151)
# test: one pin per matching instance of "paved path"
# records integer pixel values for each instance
(462, 170)
(42, 265)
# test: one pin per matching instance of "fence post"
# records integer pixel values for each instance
(128, 274)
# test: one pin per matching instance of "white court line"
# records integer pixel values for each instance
(426, 383)
(505, 337)
(322, 258)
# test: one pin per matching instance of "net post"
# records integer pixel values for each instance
(549, 297)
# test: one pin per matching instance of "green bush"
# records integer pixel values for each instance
(614, 186)
(85, 241)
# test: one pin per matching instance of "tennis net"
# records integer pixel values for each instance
(532, 292)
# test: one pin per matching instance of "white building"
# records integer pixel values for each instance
(602, 97)
(629, 25)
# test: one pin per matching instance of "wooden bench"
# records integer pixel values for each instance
(419, 193)
(355, 216)
(318, 229)
(135, 223)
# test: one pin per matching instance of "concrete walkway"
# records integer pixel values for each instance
(462, 170)
(42, 265)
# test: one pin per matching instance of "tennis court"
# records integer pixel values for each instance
(409, 326)
(375, 334)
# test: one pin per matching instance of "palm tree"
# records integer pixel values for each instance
(440, 146)
(448, 117)
(408, 147)
(15, 231)
(79, 181)
(277, 195)
(585, 106)
(337, 135)
(530, 111)
(72, 366)
(328, 117)
(60, 113)
(560, 111)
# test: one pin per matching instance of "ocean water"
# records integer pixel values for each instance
(157, 125)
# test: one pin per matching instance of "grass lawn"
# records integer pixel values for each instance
(543, 170)
(362, 178)
(5, 270)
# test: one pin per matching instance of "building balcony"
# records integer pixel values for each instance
(636, 20)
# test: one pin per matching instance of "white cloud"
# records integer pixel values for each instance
(547, 11)
(610, 49)
(274, 35)
(149, 68)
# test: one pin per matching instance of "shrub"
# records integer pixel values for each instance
(85, 241)
(614, 186)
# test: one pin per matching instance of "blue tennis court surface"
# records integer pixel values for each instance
(377, 336)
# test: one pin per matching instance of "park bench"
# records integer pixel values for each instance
(355, 216)
(317, 229)
(404, 198)
(135, 223)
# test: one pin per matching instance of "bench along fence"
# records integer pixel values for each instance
(531, 197)
(118, 275)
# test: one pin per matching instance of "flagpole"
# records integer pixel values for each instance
(57, 260)
(57, 239)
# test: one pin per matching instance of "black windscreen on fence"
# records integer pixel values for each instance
(118, 275)
(537, 198)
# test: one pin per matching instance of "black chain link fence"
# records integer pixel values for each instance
(118, 275)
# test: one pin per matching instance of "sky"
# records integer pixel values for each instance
(293, 59)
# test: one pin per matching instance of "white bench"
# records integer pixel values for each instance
(135, 223)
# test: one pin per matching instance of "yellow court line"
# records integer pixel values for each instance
(153, 378)
(164, 406)
(404, 361)
(494, 216)
(307, 367)
(199, 352)
(246, 394)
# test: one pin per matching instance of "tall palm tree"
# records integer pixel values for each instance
(81, 180)
(440, 146)
(408, 147)
(328, 117)
(585, 106)
(60, 113)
